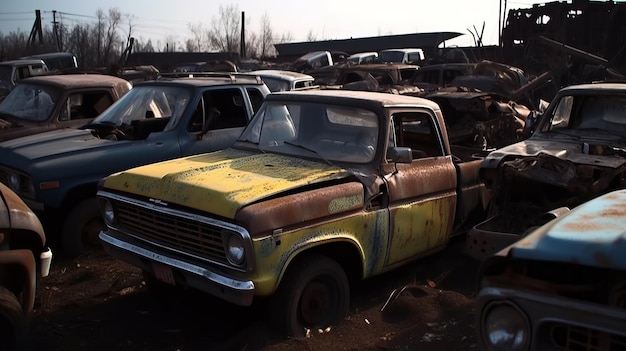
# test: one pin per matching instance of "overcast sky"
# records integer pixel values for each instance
(324, 19)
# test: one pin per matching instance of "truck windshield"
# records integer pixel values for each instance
(585, 112)
(325, 132)
(30, 102)
(150, 101)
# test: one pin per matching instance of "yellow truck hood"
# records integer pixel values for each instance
(221, 182)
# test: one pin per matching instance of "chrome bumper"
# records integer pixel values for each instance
(239, 292)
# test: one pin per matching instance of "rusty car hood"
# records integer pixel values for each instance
(566, 149)
(592, 234)
(224, 181)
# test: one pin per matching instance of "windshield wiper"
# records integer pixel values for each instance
(300, 146)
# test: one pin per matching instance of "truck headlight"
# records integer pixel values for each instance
(505, 328)
(14, 182)
(108, 212)
(235, 250)
(22, 185)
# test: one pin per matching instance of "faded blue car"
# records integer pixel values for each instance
(562, 287)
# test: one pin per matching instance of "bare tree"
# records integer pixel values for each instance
(141, 46)
(311, 36)
(111, 38)
(199, 41)
(224, 33)
(266, 38)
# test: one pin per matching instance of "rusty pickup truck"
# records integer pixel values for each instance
(24, 257)
(323, 188)
(577, 151)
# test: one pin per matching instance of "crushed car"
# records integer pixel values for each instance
(576, 152)
(44, 103)
(24, 258)
(561, 287)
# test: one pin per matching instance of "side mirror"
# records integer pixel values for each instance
(531, 123)
(400, 154)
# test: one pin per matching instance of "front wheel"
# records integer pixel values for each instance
(13, 325)
(81, 229)
(314, 294)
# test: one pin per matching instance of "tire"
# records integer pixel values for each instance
(81, 229)
(13, 326)
(314, 294)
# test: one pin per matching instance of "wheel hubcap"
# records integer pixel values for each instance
(315, 303)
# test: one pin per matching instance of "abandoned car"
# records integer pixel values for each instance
(576, 152)
(56, 172)
(24, 257)
(562, 287)
(13, 71)
(403, 55)
(40, 104)
(282, 80)
(319, 191)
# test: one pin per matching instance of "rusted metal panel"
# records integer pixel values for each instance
(592, 234)
(319, 204)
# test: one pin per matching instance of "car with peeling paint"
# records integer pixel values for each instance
(44, 103)
(323, 188)
(576, 152)
(56, 172)
(561, 287)
(24, 257)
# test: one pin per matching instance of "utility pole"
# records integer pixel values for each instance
(242, 42)
(56, 30)
(36, 31)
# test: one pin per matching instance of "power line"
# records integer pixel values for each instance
(15, 13)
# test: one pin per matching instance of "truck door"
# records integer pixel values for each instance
(422, 194)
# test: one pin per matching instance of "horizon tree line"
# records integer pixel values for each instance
(103, 43)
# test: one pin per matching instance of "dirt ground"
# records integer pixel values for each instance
(95, 302)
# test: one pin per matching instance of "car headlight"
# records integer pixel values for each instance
(235, 251)
(505, 328)
(21, 184)
(14, 182)
(108, 212)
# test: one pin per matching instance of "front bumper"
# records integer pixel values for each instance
(186, 272)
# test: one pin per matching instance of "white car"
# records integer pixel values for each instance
(283, 80)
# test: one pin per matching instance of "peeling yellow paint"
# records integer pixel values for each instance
(223, 181)
(344, 203)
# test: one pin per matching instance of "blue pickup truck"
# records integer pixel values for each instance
(561, 287)
(56, 173)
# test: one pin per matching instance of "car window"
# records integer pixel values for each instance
(86, 105)
(219, 109)
(417, 131)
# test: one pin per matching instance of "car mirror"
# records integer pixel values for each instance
(400, 154)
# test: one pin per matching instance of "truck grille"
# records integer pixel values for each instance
(196, 238)
(570, 338)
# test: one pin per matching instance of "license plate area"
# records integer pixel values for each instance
(163, 273)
